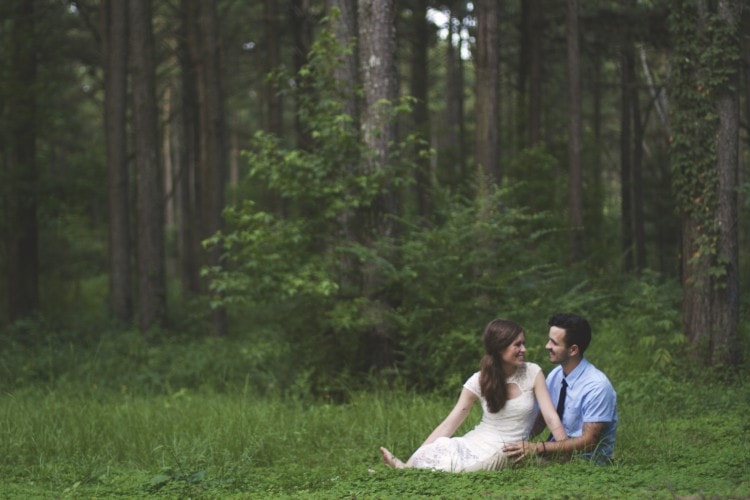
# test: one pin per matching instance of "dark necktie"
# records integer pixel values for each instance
(561, 399)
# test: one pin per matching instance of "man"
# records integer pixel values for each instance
(589, 409)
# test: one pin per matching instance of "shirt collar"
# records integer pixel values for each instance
(577, 372)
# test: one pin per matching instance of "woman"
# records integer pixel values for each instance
(510, 391)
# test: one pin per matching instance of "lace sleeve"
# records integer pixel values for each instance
(531, 371)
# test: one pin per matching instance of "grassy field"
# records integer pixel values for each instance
(677, 438)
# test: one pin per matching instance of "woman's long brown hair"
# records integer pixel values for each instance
(498, 334)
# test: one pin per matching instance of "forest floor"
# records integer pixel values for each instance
(675, 439)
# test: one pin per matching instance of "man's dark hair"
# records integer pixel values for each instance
(577, 329)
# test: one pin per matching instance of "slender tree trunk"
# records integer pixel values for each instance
(453, 150)
(273, 98)
(575, 186)
(532, 68)
(626, 157)
(21, 211)
(210, 132)
(597, 187)
(214, 150)
(535, 75)
(152, 292)
(275, 123)
(639, 233)
(487, 89)
(345, 29)
(115, 38)
(725, 333)
(523, 71)
(301, 24)
(189, 153)
(420, 115)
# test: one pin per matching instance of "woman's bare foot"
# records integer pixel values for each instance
(390, 460)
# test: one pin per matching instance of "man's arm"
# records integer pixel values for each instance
(587, 441)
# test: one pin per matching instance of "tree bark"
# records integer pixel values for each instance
(302, 33)
(214, 157)
(190, 248)
(150, 202)
(626, 157)
(21, 216)
(274, 102)
(345, 29)
(454, 151)
(115, 53)
(487, 89)
(575, 183)
(419, 90)
(530, 71)
(211, 157)
(705, 181)
(377, 49)
(725, 333)
(639, 232)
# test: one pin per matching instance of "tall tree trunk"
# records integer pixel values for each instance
(487, 89)
(453, 149)
(535, 73)
(575, 183)
(639, 233)
(707, 120)
(272, 92)
(344, 26)
(631, 156)
(274, 121)
(211, 157)
(115, 53)
(530, 71)
(420, 115)
(152, 290)
(214, 144)
(596, 219)
(190, 248)
(22, 225)
(725, 333)
(302, 33)
(377, 49)
(626, 157)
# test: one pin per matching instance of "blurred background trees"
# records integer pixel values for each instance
(364, 184)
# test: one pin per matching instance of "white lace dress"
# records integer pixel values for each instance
(481, 448)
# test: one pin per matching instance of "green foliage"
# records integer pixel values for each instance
(647, 325)
(429, 291)
(127, 362)
(537, 182)
(303, 264)
(706, 63)
(456, 276)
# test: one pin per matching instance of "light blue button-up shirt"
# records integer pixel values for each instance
(590, 398)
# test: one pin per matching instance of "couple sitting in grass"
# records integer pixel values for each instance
(516, 404)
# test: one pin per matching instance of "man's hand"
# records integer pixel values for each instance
(518, 451)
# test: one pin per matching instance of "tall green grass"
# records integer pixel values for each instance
(203, 444)
(86, 413)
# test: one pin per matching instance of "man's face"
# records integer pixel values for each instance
(558, 351)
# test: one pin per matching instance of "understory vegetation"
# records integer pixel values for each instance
(183, 416)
